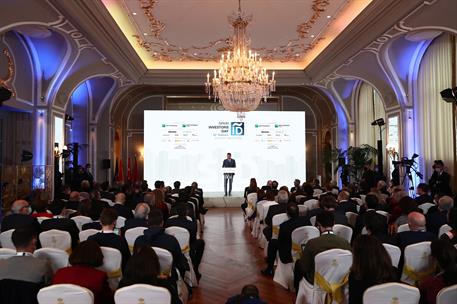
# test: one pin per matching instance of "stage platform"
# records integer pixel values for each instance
(218, 200)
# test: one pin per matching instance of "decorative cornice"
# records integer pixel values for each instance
(11, 68)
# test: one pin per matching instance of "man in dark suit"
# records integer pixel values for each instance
(119, 206)
(304, 267)
(229, 162)
(345, 204)
(20, 217)
(327, 202)
(438, 218)
(156, 236)
(197, 246)
(108, 238)
(417, 233)
(439, 181)
(423, 196)
(283, 244)
(140, 219)
(73, 202)
(273, 210)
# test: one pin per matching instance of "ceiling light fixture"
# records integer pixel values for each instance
(240, 83)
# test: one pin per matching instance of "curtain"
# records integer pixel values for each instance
(434, 116)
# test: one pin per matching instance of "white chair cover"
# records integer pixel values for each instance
(425, 206)
(443, 229)
(175, 216)
(317, 192)
(419, 263)
(364, 230)
(251, 200)
(402, 228)
(391, 293)
(302, 235)
(6, 241)
(110, 202)
(363, 196)
(298, 198)
(305, 292)
(311, 204)
(85, 234)
(65, 293)
(277, 220)
(394, 252)
(58, 258)
(331, 276)
(112, 260)
(142, 293)
(343, 231)
(359, 201)
(40, 219)
(447, 295)
(313, 220)
(352, 218)
(132, 234)
(80, 220)
(302, 210)
(6, 253)
(56, 239)
(386, 214)
(120, 222)
(165, 260)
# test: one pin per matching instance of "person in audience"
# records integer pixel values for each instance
(317, 184)
(177, 187)
(24, 266)
(84, 260)
(104, 193)
(407, 205)
(119, 206)
(20, 217)
(345, 204)
(423, 195)
(274, 187)
(296, 187)
(40, 205)
(62, 223)
(451, 236)
(370, 204)
(107, 237)
(283, 245)
(445, 255)
(252, 188)
(376, 225)
(197, 246)
(440, 180)
(308, 191)
(417, 233)
(304, 267)
(155, 200)
(249, 295)
(73, 201)
(140, 218)
(155, 236)
(327, 202)
(273, 210)
(267, 186)
(371, 265)
(439, 218)
(143, 268)
(368, 178)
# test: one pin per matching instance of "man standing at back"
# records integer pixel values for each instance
(229, 162)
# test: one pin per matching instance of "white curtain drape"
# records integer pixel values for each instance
(434, 116)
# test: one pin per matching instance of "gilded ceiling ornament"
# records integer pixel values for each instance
(318, 7)
(155, 25)
(10, 75)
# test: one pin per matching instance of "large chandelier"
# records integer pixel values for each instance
(240, 83)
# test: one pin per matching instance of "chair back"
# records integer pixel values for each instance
(311, 204)
(6, 253)
(343, 231)
(317, 192)
(313, 220)
(385, 213)
(359, 201)
(112, 260)
(425, 206)
(302, 210)
(298, 198)
(132, 234)
(277, 220)
(175, 216)
(443, 229)
(419, 263)
(85, 234)
(402, 228)
(331, 276)
(251, 200)
(56, 239)
(120, 222)
(110, 202)
(394, 252)
(40, 219)
(352, 218)
(65, 293)
(165, 260)
(391, 293)
(301, 236)
(262, 209)
(142, 293)
(18, 292)
(182, 235)
(447, 295)
(6, 240)
(58, 258)
(80, 220)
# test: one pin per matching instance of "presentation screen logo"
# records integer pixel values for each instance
(237, 128)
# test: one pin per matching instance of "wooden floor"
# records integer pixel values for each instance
(232, 259)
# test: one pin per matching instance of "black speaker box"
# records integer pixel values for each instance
(106, 163)
(5, 94)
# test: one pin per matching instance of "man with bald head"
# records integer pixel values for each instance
(120, 207)
(73, 201)
(20, 217)
(438, 217)
(140, 218)
(417, 233)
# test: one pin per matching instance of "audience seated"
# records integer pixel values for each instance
(446, 256)
(84, 260)
(308, 192)
(155, 200)
(143, 268)
(119, 206)
(417, 233)
(423, 195)
(273, 210)
(24, 266)
(40, 205)
(304, 267)
(64, 224)
(327, 202)
(107, 237)
(451, 236)
(155, 236)
(20, 217)
(371, 265)
(140, 218)
(345, 204)
(370, 204)
(438, 218)
(406, 205)
(73, 201)
(249, 295)
(376, 226)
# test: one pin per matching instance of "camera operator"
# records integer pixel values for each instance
(439, 181)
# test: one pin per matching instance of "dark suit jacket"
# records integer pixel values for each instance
(229, 163)
(421, 199)
(94, 225)
(133, 223)
(435, 220)
(285, 237)
(340, 218)
(274, 210)
(14, 221)
(347, 206)
(63, 224)
(72, 205)
(406, 238)
(107, 195)
(183, 222)
(114, 241)
(123, 211)
(439, 183)
(93, 279)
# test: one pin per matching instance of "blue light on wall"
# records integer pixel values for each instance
(80, 124)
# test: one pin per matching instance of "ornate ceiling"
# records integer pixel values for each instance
(192, 34)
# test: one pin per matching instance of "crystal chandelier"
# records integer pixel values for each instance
(240, 83)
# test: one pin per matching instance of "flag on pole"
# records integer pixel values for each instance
(116, 171)
(121, 174)
(135, 171)
(129, 171)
